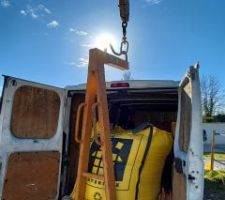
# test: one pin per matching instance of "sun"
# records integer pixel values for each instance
(103, 40)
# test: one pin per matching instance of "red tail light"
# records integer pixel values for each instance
(120, 84)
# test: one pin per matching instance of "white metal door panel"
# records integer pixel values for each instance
(10, 144)
(188, 147)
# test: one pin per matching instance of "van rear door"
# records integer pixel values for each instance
(31, 126)
(188, 167)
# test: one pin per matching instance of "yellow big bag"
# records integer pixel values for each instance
(138, 162)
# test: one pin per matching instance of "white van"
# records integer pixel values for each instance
(38, 153)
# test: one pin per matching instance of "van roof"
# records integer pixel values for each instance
(133, 84)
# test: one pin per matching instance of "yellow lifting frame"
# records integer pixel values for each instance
(96, 100)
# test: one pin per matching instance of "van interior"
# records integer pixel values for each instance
(128, 108)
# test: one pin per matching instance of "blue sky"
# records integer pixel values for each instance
(48, 41)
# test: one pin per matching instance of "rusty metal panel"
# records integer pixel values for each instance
(35, 113)
(32, 176)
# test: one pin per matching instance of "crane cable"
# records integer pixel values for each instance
(124, 14)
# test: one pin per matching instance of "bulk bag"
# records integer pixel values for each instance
(138, 163)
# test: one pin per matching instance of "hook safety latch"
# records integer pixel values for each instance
(124, 47)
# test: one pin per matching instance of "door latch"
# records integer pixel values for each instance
(190, 177)
(179, 163)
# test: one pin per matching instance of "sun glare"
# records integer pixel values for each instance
(103, 40)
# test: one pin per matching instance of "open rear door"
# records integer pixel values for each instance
(188, 166)
(30, 140)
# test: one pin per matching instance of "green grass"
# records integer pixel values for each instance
(214, 185)
(217, 156)
(215, 176)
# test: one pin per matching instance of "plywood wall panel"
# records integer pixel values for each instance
(35, 113)
(32, 176)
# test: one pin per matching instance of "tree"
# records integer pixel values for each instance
(219, 117)
(212, 96)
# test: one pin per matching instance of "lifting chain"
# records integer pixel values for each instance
(124, 14)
